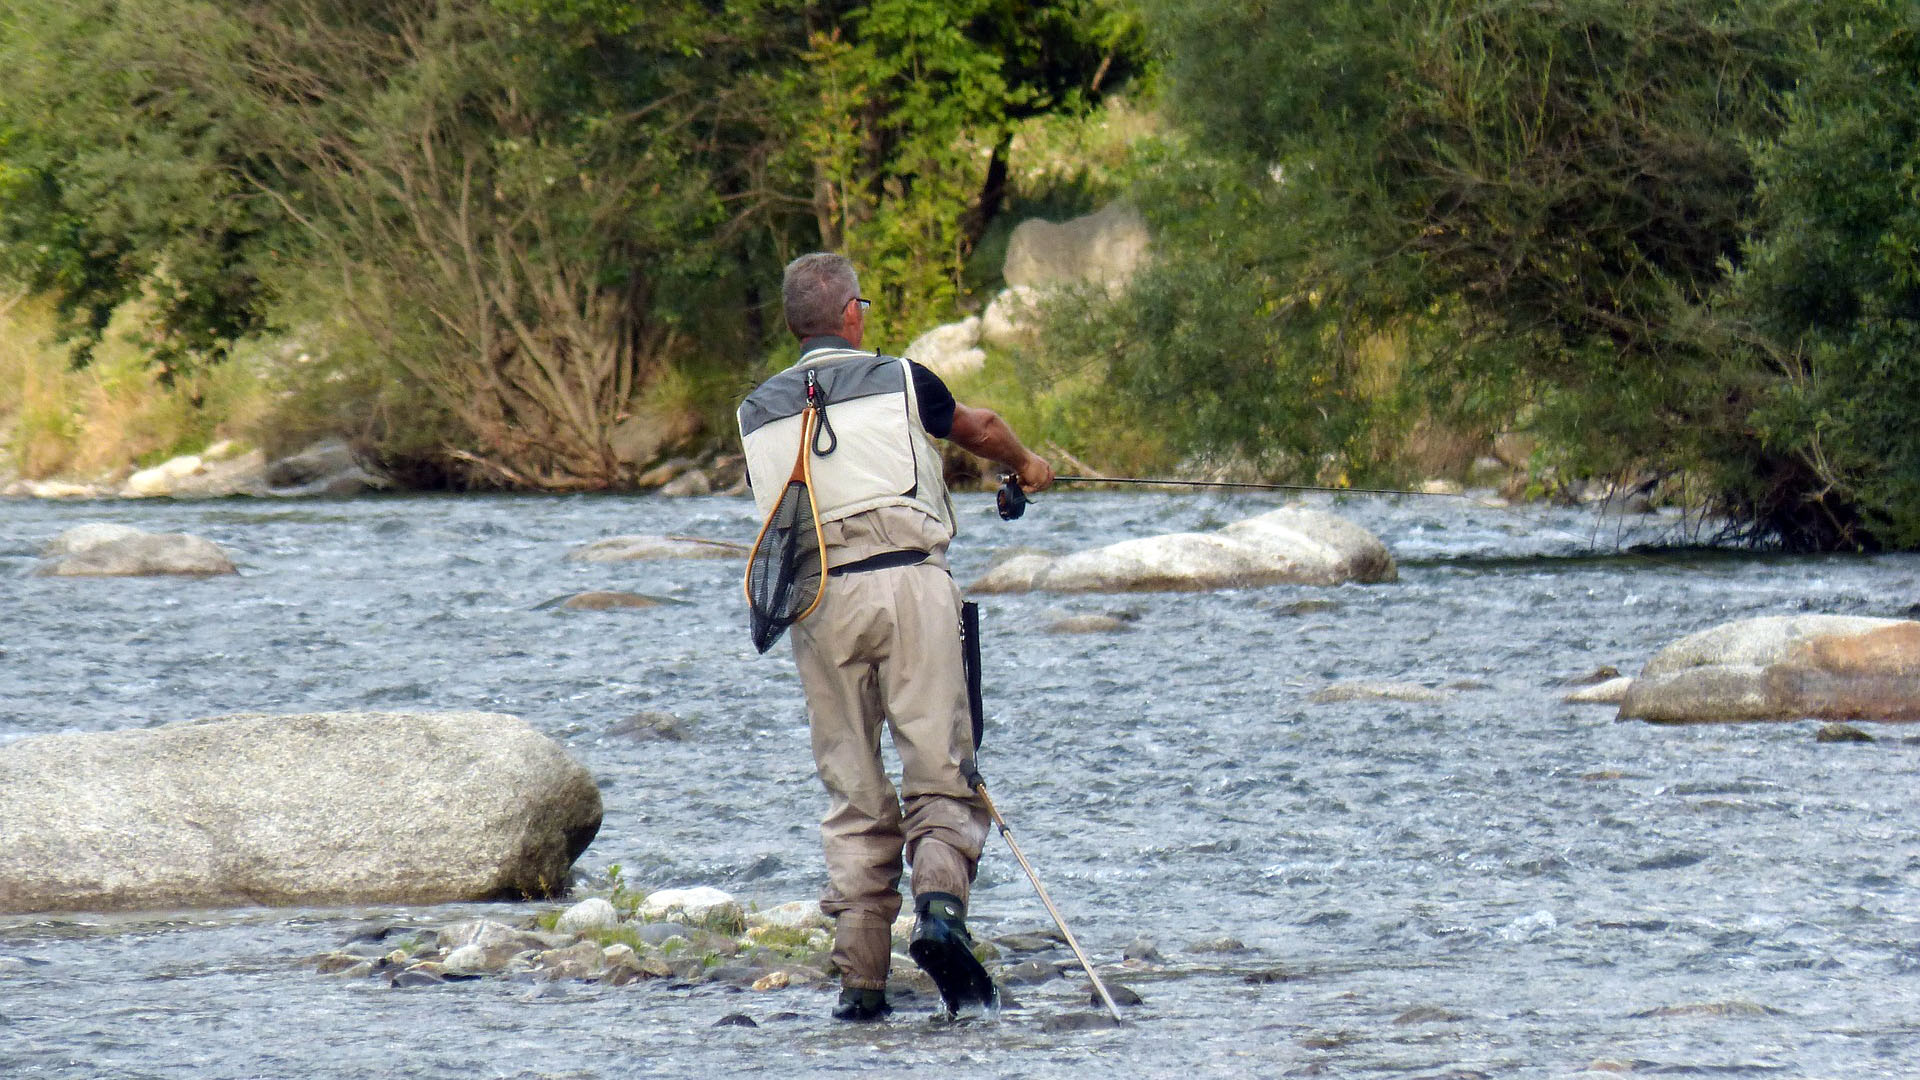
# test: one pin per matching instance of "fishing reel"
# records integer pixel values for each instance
(1010, 500)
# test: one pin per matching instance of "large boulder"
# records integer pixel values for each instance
(1784, 667)
(331, 808)
(103, 550)
(328, 467)
(651, 431)
(1103, 248)
(1011, 320)
(950, 350)
(1292, 545)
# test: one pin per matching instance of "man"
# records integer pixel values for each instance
(883, 646)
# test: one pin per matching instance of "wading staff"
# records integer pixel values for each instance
(979, 785)
(970, 664)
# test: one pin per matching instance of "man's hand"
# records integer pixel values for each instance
(1036, 474)
(981, 431)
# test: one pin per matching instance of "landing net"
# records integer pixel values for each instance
(786, 569)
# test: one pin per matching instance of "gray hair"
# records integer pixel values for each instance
(815, 291)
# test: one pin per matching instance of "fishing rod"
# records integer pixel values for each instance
(1011, 499)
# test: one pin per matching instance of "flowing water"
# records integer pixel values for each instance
(1494, 884)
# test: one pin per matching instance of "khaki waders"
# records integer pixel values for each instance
(883, 649)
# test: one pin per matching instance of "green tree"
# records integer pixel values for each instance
(1537, 203)
(121, 180)
(528, 212)
(1830, 293)
(902, 114)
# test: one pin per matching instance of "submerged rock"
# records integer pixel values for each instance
(1078, 1021)
(649, 727)
(332, 808)
(97, 550)
(1429, 1014)
(1217, 945)
(1376, 691)
(1709, 1008)
(630, 548)
(1827, 667)
(600, 600)
(1611, 692)
(1090, 624)
(1292, 545)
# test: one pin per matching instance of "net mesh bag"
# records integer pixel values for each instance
(786, 570)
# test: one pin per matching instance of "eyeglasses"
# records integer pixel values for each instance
(863, 302)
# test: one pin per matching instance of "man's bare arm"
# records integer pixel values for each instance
(981, 431)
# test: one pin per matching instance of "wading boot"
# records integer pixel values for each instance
(944, 950)
(861, 1005)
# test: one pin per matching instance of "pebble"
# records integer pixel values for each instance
(1143, 950)
(695, 905)
(660, 933)
(736, 1020)
(581, 960)
(1121, 994)
(333, 963)
(797, 915)
(591, 914)
(466, 960)
(1841, 733)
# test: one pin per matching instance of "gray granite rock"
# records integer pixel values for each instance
(331, 808)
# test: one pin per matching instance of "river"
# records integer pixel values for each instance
(1495, 884)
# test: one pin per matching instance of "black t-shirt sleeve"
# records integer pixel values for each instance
(936, 401)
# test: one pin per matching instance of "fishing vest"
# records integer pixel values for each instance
(877, 453)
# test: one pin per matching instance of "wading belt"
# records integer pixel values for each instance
(886, 560)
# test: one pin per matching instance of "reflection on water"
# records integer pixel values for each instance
(1493, 884)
